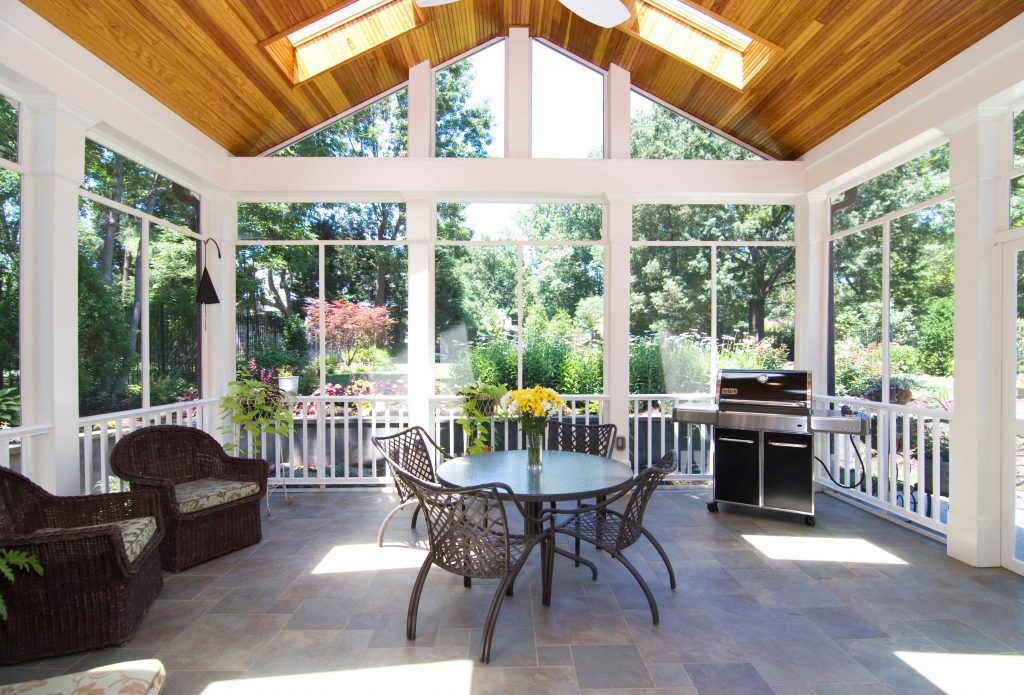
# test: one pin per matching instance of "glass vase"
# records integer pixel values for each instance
(533, 450)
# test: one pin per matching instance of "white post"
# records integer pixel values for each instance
(616, 113)
(619, 234)
(518, 96)
(219, 221)
(419, 216)
(421, 110)
(810, 232)
(974, 172)
(53, 147)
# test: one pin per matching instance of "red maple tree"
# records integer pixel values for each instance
(349, 326)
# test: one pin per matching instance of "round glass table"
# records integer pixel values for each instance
(564, 476)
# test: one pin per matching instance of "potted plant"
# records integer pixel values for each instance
(11, 560)
(254, 408)
(287, 381)
(479, 405)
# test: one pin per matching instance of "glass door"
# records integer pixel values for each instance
(1012, 502)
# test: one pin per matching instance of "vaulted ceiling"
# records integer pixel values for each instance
(837, 59)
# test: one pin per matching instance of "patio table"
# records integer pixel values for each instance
(564, 476)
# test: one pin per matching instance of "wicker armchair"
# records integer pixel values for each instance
(585, 439)
(469, 536)
(614, 531)
(410, 450)
(209, 501)
(101, 568)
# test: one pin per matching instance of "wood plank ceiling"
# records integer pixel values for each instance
(839, 59)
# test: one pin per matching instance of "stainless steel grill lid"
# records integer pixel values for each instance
(754, 389)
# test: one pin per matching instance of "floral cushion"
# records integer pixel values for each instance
(144, 677)
(135, 533)
(211, 492)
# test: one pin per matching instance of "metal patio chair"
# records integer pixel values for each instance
(469, 535)
(614, 531)
(409, 450)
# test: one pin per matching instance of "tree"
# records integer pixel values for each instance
(349, 327)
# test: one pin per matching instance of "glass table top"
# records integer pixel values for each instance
(564, 475)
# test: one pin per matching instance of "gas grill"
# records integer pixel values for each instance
(763, 450)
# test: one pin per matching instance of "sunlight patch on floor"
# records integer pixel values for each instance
(367, 557)
(822, 549)
(968, 673)
(441, 677)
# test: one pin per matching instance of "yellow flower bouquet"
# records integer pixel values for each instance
(531, 408)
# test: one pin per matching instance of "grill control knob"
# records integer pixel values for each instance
(762, 378)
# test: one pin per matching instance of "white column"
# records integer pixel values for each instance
(53, 147)
(810, 231)
(616, 113)
(974, 529)
(619, 231)
(518, 93)
(219, 221)
(419, 221)
(421, 110)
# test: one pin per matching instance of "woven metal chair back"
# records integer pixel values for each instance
(20, 502)
(467, 527)
(643, 487)
(408, 450)
(170, 452)
(585, 439)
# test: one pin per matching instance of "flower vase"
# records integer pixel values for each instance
(533, 450)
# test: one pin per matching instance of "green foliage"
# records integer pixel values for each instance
(936, 342)
(10, 264)
(660, 133)
(11, 560)
(461, 130)
(8, 129)
(479, 405)
(254, 408)
(10, 407)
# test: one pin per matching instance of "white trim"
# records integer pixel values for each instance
(141, 215)
(893, 216)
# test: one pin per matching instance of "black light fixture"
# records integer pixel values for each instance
(206, 293)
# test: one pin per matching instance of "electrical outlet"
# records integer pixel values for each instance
(620, 442)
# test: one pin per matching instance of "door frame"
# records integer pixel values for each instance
(1012, 425)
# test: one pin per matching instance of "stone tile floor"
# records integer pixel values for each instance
(765, 604)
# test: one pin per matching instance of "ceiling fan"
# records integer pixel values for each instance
(603, 13)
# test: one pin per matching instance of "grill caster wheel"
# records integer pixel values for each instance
(809, 520)
(712, 506)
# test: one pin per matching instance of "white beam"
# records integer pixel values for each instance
(325, 179)
(811, 295)
(421, 110)
(419, 217)
(53, 150)
(619, 233)
(974, 159)
(617, 114)
(219, 221)
(518, 94)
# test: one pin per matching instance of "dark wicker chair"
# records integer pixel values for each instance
(95, 587)
(585, 439)
(199, 526)
(614, 531)
(411, 450)
(469, 535)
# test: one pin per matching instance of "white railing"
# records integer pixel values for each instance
(16, 448)
(445, 411)
(901, 467)
(329, 443)
(97, 435)
(652, 433)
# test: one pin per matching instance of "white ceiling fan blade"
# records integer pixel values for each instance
(603, 13)
(433, 3)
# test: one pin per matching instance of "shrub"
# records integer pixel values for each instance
(936, 339)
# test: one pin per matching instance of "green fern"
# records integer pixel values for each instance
(11, 560)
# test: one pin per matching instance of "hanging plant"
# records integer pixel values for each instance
(479, 406)
(254, 408)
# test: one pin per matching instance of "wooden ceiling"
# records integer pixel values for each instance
(839, 59)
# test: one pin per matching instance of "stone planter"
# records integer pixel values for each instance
(288, 384)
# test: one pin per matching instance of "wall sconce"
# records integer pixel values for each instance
(206, 293)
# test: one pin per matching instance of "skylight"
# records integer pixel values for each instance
(334, 19)
(701, 39)
(706, 22)
(322, 43)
